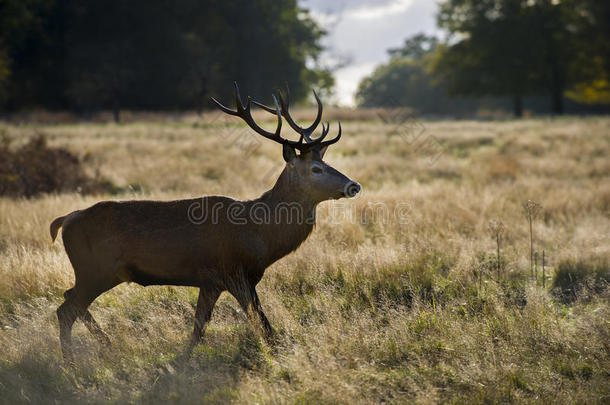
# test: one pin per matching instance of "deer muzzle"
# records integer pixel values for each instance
(351, 189)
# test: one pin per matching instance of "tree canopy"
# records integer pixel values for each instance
(407, 80)
(502, 48)
(86, 55)
(404, 81)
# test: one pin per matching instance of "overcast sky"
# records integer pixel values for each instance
(361, 31)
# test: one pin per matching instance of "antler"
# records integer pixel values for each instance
(304, 132)
(245, 114)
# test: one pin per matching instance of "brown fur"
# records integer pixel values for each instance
(158, 242)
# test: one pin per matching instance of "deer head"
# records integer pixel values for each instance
(306, 172)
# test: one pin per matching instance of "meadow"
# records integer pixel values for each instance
(396, 297)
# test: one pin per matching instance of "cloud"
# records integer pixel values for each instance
(362, 31)
(347, 80)
(369, 12)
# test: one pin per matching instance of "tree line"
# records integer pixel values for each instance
(87, 55)
(500, 52)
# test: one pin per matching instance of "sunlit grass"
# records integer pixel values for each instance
(369, 309)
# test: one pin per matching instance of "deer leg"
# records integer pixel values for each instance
(66, 315)
(248, 299)
(75, 306)
(77, 301)
(205, 305)
(95, 328)
(91, 324)
(260, 315)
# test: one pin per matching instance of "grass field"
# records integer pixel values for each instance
(395, 297)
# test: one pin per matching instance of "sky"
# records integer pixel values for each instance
(359, 33)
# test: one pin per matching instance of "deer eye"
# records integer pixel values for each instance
(316, 169)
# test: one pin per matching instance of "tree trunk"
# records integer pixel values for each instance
(557, 100)
(116, 110)
(518, 106)
(203, 90)
(557, 86)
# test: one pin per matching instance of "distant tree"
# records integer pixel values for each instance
(30, 50)
(416, 47)
(556, 42)
(4, 75)
(489, 53)
(592, 31)
(152, 54)
(518, 47)
(407, 81)
(263, 44)
(124, 54)
(404, 81)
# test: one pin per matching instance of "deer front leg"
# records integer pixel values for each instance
(248, 299)
(205, 305)
(257, 309)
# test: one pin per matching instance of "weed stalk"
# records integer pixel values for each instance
(497, 230)
(531, 209)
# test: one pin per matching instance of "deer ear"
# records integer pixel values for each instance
(323, 151)
(289, 153)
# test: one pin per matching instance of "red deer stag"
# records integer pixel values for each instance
(215, 243)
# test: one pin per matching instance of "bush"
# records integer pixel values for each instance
(579, 279)
(36, 168)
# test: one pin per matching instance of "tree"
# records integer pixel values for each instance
(407, 81)
(403, 81)
(490, 52)
(416, 47)
(268, 44)
(592, 31)
(520, 47)
(152, 54)
(4, 75)
(29, 53)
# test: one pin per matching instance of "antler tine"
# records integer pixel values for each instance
(238, 104)
(264, 107)
(334, 140)
(223, 108)
(273, 111)
(318, 140)
(247, 116)
(313, 126)
(306, 132)
(325, 130)
(244, 112)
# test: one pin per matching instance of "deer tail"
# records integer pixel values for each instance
(55, 225)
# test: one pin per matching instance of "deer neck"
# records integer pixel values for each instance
(291, 216)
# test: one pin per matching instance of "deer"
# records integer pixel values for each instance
(214, 243)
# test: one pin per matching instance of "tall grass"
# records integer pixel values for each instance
(375, 310)
(579, 279)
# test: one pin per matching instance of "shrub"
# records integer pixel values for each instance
(576, 279)
(36, 168)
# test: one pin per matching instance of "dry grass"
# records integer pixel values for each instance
(374, 310)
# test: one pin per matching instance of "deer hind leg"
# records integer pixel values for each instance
(205, 304)
(66, 315)
(75, 306)
(91, 324)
